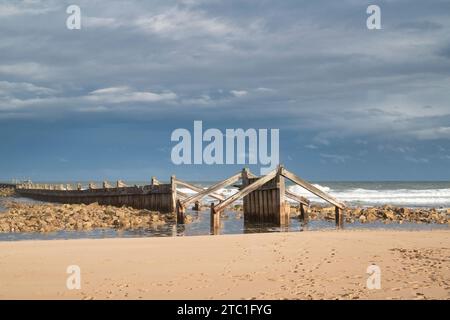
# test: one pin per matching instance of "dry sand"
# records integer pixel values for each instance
(303, 265)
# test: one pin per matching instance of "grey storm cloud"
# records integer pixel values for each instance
(303, 64)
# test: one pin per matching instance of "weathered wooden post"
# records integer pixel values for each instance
(304, 214)
(173, 200)
(181, 210)
(246, 200)
(282, 208)
(79, 186)
(215, 220)
(196, 206)
(106, 185)
(339, 217)
(155, 181)
(120, 184)
(91, 185)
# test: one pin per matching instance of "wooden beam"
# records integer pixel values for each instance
(173, 188)
(252, 187)
(250, 175)
(212, 189)
(154, 181)
(182, 195)
(308, 186)
(199, 189)
(296, 197)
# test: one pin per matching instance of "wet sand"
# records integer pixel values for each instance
(302, 265)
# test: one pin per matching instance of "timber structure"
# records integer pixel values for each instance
(264, 198)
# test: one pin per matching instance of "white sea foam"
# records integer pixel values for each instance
(402, 197)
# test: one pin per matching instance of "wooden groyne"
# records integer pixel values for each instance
(264, 198)
(158, 197)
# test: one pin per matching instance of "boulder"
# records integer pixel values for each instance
(389, 214)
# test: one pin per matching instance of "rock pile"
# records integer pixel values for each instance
(385, 213)
(6, 192)
(49, 217)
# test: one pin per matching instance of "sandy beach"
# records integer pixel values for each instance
(302, 265)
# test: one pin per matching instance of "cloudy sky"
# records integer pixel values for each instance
(101, 102)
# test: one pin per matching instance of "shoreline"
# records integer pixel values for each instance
(301, 265)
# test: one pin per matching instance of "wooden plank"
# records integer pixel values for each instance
(172, 202)
(274, 206)
(252, 187)
(182, 195)
(250, 206)
(296, 197)
(304, 184)
(281, 188)
(212, 189)
(245, 200)
(198, 189)
(262, 204)
(262, 214)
